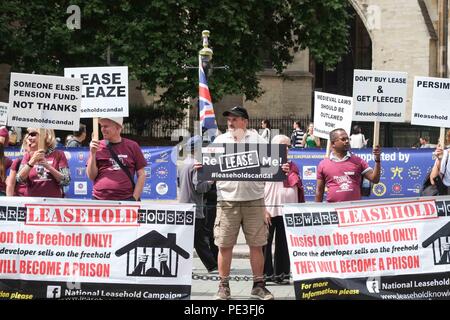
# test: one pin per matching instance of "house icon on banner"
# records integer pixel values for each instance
(441, 245)
(153, 255)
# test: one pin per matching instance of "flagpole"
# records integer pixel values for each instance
(205, 56)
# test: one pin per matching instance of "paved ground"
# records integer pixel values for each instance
(240, 290)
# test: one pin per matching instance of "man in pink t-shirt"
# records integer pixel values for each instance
(111, 181)
(342, 172)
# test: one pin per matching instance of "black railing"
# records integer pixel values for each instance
(283, 124)
(165, 128)
(157, 129)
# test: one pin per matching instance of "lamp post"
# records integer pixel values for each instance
(206, 53)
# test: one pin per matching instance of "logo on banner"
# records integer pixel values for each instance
(80, 156)
(396, 188)
(53, 292)
(441, 245)
(310, 188)
(147, 188)
(163, 157)
(147, 155)
(80, 187)
(379, 189)
(373, 284)
(309, 172)
(153, 255)
(81, 171)
(162, 172)
(162, 188)
(148, 171)
(414, 173)
(396, 172)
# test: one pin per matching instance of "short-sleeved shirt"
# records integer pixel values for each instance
(8, 163)
(297, 138)
(112, 183)
(5, 134)
(240, 190)
(20, 188)
(40, 182)
(445, 168)
(342, 177)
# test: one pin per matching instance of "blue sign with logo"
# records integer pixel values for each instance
(161, 172)
(403, 170)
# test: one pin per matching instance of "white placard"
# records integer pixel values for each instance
(379, 95)
(47, 102)
(105, 91)
(331, 112)
(3, 113)
(431, 102)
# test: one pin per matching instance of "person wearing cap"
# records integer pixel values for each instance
(45, 171)
(114, 181)
(241, 203)
(192, 191)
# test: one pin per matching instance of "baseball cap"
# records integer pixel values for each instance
(237, 111)
(118, 120)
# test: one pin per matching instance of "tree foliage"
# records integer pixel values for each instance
(156, 38)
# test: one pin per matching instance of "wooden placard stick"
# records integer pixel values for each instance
(442, 138)
(42, 136)
(327, 154)
(95, 129)
(376, 133)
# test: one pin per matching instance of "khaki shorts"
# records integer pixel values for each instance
(232, 214)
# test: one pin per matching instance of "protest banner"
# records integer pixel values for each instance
(430, 103)
(331, 112)
(243, 162)
(45, 102)
(403, 170)
(68, 249)
(104, 92)
(391, 249)
(379, 96)
(161, 172)
(3, 113)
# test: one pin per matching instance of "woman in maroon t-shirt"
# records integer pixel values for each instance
(14, 188)
(44, 171)
(5, 163)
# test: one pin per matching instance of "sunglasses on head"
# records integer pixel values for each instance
(33, 134)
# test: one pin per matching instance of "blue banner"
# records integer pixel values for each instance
(161, 172)
(403, 170)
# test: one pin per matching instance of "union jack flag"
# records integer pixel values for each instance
(207, 116)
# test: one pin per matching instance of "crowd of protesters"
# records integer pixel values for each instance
(116, 167)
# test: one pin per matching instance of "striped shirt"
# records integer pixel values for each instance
(297, 138)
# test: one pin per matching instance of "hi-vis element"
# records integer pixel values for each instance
(207, 116)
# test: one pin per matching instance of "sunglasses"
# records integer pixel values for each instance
(33, 134)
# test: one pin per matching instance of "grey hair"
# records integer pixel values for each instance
(281, 139)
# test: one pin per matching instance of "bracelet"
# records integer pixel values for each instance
(28, 164)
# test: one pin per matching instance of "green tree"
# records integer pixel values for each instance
(156, 38)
